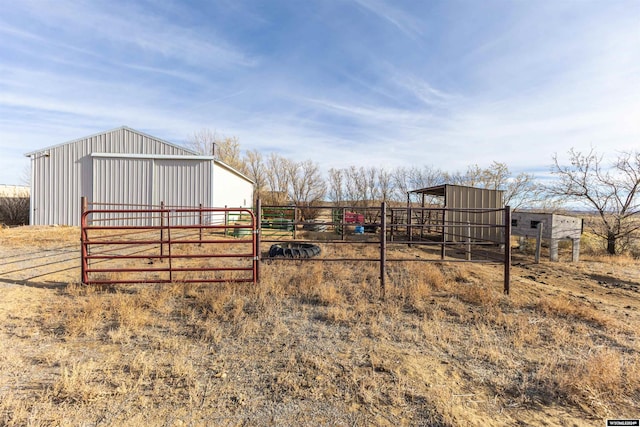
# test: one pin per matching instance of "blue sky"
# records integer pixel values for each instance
(342, 82)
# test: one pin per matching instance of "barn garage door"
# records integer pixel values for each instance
(147, 182)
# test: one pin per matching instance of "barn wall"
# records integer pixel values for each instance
(146, 181)
(123, 180)
(182, 183)
(230, 189)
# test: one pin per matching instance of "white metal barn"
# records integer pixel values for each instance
(125, 166)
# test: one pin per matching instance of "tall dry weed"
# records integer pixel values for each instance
(78, 383)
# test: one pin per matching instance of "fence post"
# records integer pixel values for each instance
(226, 221)
(468, 241)
(444, 233)
(258, 232)
(161, 231)
(538, 241)
(507, 249)
(295, 221)
(83, 239)
(383, 249)
(409, 228)
(200, 223)
(169, 246)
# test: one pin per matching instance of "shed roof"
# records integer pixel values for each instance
(440, 190)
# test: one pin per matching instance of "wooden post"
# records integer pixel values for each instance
(539, 241)
(383, 249)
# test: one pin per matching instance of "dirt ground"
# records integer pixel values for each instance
(38, 266)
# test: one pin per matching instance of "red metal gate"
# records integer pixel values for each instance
(184, 245)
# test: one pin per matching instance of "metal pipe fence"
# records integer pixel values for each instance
(172, 244)
(457, 235)
(114, 250)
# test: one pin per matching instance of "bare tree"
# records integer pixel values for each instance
(353, 186)
(385, 184)
(306, 186)
(518, 191)
(255, 169)
(409, 179)
(336, 185)
(203, 141)
(277, 180)
(610, 191)
(223, 148)
(522, 190)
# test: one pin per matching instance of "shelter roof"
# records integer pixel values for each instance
(440, 190)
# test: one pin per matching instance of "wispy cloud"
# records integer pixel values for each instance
(400, 19)
(361, 82)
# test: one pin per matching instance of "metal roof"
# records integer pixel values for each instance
(108, 131)
(440, 190)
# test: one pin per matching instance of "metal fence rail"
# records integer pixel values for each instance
(459, 235)
(162, 245)
(194, 245)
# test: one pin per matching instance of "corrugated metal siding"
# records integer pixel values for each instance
(459, 197)
(123, 181)
(150, 182)
(183, 183)
(62, 174)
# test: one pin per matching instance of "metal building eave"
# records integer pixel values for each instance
(151, 156)
(438, 190)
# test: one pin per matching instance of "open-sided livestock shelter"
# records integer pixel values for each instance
(125, 166)
(466, 205)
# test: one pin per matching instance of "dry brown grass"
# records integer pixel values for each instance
(314, 344)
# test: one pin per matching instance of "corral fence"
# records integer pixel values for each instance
(164, 244)
(439, 234)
